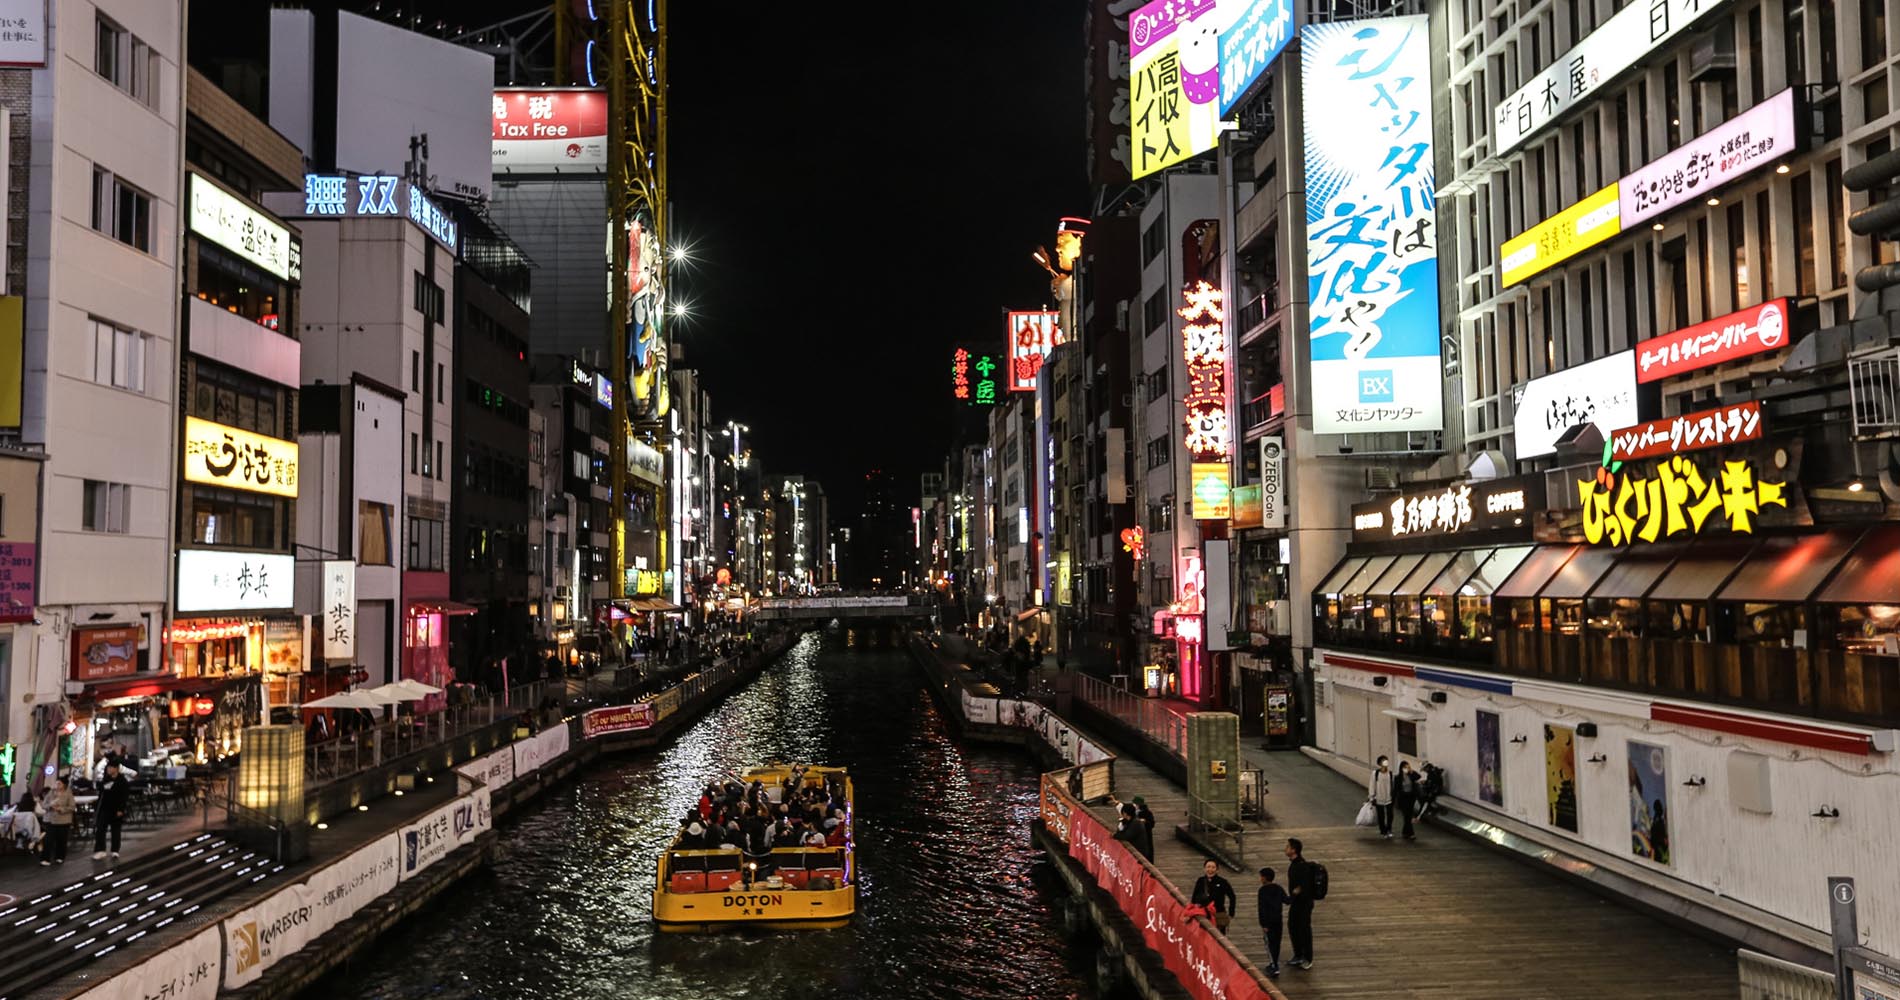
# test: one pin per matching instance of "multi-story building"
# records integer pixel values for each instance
(234, 637)
(801, 556)
(1642, 609)
(1108, 286)
(489, 523)
(92, 280)
(579, 485)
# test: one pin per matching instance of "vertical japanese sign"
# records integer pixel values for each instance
(339, 609)
(1033, 336)
(1249, 45)
(973, 377)
(1371, 244)
(19, 571)
(1174, 63)
(1210, 434)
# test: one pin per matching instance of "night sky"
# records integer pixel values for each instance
(863, 193)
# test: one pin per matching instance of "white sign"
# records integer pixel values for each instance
(643, 460)
(333, 195)
(495, 770)
(23, 35)
(1272, 481)
(433, 837)
(978, 711)
(214, 580)
(1625, 39)
(266, 933)
(221, 218)
(1737, 147)
(339, 609)
(1602, 392)
(185, 971)
(538, 749)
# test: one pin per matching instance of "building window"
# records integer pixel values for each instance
(237, 287)
(1152, 242)
(1156, 384)
(438, 460)
(1803, 194)
(1158, 452)
(107, 507)
(1764, 238)
(415, 452)
(428, 298)
(121, 358)
(230, 517)
(1154, 312)
(425, 543)
(415, 371)
(1837, 221)
(127, 63)
(1738, 254)
(372, 533)
(121, 211)
(229, 396)
(440, 376)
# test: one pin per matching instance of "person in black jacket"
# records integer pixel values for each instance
(1132, 830)
(1299, 880)
(1213, 890)
(1405, 795)
(1272, 899)
(114, 793)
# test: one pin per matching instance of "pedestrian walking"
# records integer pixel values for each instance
(1272, 900)
(1379, 793)
(60, 809)
(1405, 795)
(1214, 891)
(114, 793)
(1303, 889)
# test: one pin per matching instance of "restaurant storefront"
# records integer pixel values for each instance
(1666, 653)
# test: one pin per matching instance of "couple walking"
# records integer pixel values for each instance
(1388, 789)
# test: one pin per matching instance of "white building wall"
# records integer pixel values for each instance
(93, 431)
(1775, 864)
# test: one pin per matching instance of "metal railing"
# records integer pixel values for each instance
(1153, 718)
(1764, 977)
(221, 792)
(1217, 824)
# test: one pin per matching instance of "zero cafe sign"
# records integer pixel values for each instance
(1458, 509)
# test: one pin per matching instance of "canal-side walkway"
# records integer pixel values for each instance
(1439, 917)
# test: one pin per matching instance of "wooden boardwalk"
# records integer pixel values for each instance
(1441, 917)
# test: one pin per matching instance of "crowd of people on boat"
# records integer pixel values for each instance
(755, 820)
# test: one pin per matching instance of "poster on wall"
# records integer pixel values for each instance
(1560, 775)
(1174, 80)
(1649, 795)
(1490, 768)
(1371, 217)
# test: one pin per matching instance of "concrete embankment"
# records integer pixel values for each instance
(387, 864)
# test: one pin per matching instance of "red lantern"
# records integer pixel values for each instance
(203, 706)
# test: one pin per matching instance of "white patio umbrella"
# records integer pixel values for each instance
(347, 699)
(411, 684)
(396, 692)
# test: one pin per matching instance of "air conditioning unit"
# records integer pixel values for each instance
(1713, 55)
(1381, 477)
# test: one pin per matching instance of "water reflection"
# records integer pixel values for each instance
(950, 903)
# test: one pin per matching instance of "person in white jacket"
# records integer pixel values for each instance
(1379, 792)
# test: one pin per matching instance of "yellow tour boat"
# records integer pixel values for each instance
(702, 888)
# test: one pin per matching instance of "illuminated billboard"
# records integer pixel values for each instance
(1249, 45)
(549, 130)
(646, 340)
(1371, 238)
(216, 455)
(1210, 432)
(1713, 342)
(973, 377)
(1032, 337)
(1174, 81)
(1600, 392)
(1732, 150)
(1560, 237)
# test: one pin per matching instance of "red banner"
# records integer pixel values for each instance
(618, 719)
(1703, 429)
(1724, 338)
(1190, 949)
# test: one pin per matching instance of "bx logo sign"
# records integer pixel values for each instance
(1375, 386)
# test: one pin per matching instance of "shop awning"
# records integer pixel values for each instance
(1497, 569)
(1361, 581)
(1577, 575)
(1423, 574)
(1536, 570)
(1701, 571)
(1635, 573)
(1871, 573)
(662, 605)
(1789, 569)
(1341, 573)
(1388, 582)
(1457, 570)
(438, 606)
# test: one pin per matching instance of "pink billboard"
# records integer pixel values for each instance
(1732, 150)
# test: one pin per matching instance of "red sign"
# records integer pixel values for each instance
(618, 719)
(1704, 429)
(18, 560)
(1204, 347)
(544, 129)
(1188, 946)
(1033, 336)
(103, 653)
(1725, 338)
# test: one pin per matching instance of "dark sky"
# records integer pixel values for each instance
(863, 193)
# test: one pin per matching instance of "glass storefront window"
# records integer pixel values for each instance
(1768, 624)
(1868, 629)
(236, 287)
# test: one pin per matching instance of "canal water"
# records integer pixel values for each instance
(953, 901)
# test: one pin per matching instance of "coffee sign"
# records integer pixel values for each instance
(1458, 509)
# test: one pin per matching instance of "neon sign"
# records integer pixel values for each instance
(1033, 336)
(973, 377)
(1210, 432)
(377, 195)
(1619, 509)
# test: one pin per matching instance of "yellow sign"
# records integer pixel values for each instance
(1620, 509)
(1212, 484)
(216, 455)
(1562, 236)
(1173, 83)
(12, 343)
(645, 581)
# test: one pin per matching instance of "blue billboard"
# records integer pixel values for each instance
(1371, 227)
(1249, 45)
